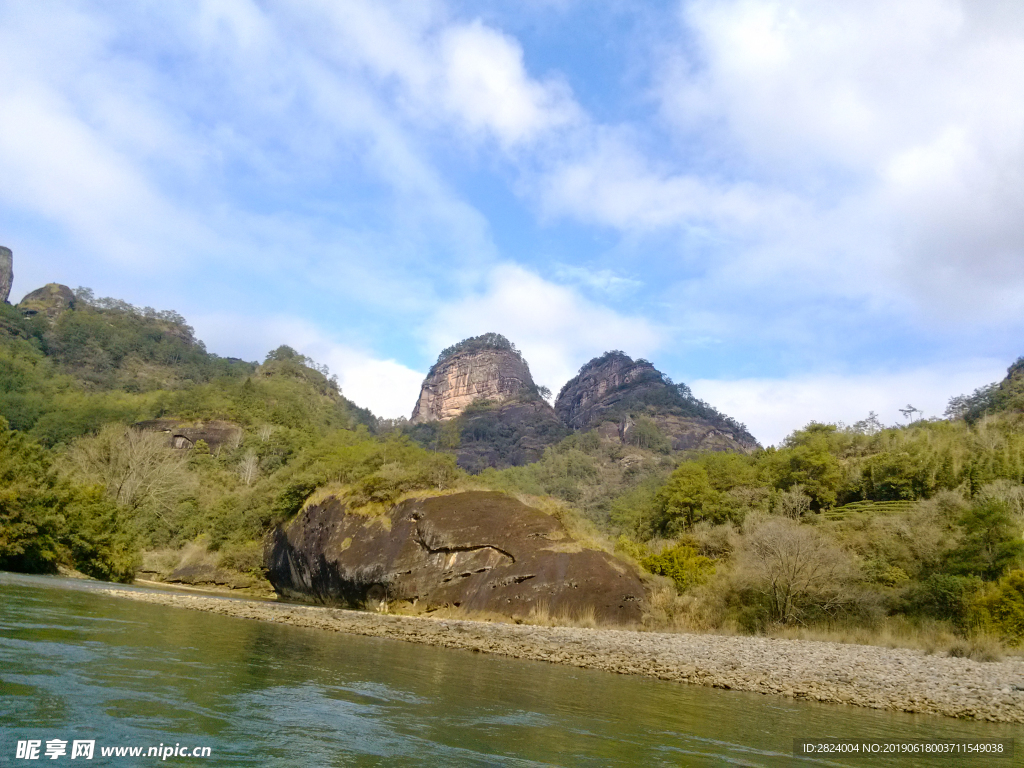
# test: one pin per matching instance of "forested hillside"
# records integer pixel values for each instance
(864, 532)
(83, 487)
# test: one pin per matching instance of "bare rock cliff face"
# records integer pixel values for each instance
(454, 383)
(6, 272)
(601, 386)
(613, 390)
(476, 551)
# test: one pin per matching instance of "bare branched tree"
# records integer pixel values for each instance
(795, 567)
(249, 468)
(264, 432)
(794, 503)
(137, 468)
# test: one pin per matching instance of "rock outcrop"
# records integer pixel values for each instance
(6, 273)
(476, 551)
(612, 391)
(484, 367)
(50, 300)
(603, 385)
(486, 385)
(185, 435)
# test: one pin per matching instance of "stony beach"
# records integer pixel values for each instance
(859, 675)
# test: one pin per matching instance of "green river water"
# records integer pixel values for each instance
(77, 664)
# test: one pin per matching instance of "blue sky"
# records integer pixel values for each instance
(804, 210)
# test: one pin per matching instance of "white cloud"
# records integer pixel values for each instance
(900, 124)
(467, 75)
(227, 143)
(603, 281)
(556, 329)
(773, 408)
(854, 149)
(385, 386)
(486, 85)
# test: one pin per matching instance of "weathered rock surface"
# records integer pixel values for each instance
(50, 300)
(614, 389)
(6, 272)
(477, 551)
(209, 575)
(601, 385)
(456, 382)
(185, 435)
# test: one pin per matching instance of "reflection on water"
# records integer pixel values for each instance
(76, 664)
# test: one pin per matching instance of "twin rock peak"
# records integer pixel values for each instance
(486, 379)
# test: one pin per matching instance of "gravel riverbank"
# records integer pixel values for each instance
(860, 675)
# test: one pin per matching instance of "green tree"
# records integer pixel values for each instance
(45, 521)
(991, 542)
(449, 436)
(683, 498)
(808, 459)
(1000, 609)
(31, 506)
(645, 434)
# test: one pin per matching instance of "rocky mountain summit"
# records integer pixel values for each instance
(486, 367)
(6, 272)
(602, 386)
(482, 387)
(50, 300)
(613, 391)
(480, 400)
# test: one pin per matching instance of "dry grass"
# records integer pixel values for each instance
(163, 561)
(160, 561)
(668, 611)
(581, 530)
(540, 615)
(579, 616)
(977, 647)
(932, 637)
(344, 494)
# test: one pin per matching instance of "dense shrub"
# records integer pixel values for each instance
(682, 564)
(1000, 608)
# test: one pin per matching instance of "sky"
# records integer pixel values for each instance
(804, 210)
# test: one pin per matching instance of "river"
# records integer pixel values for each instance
(79, 665)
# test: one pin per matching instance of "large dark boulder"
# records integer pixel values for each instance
(476, 551)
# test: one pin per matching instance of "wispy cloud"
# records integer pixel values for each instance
(771, 191)
(556, 328)
(605, 281)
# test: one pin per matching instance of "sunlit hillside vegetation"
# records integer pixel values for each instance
(858, 532)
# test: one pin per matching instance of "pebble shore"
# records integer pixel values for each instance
(866, 676)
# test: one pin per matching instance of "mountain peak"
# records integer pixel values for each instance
(485, 367)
